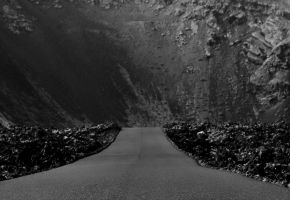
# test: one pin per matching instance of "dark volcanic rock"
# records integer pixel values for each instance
(26, 150)
(255, 150)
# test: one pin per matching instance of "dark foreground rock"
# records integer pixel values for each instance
(26, 150)
(256, 150)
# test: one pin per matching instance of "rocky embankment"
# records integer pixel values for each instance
(256, 150)
(26, 150)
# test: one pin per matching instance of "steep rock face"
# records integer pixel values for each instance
(239, 36)
(206, 54)
(58, 55)
(145, 62)
(271, 82)
(212, 51)
(73, 64)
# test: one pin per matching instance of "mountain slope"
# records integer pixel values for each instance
(210, 55)
(147, 62)
(69, 60)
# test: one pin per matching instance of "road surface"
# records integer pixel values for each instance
(141, 164)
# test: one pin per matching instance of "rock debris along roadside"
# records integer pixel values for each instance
(257, 150)
(26, 150)
(140, 164)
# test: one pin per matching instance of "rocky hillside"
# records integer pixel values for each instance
(143, 62)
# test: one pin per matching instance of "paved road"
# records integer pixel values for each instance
(141, 164)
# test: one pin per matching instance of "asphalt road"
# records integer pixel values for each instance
(141, 164)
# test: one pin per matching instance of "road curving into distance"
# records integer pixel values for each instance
(141, 164)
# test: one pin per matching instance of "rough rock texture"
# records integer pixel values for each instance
(256, 150)
(190, 59)
(27, 150)
(226, 48)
